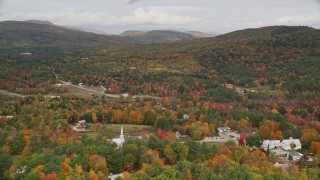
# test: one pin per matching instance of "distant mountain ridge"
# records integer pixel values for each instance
(35, 33)
(45, 34)
(162, 36)
(40, 22)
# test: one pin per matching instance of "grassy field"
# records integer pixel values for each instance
(81, 92)
(8, 93)
(128, 129)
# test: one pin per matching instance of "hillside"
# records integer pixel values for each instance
(157, 36)
(16, 34)
(259, 56)
(169, 100)
(44, 34)
(286, 59)
(281, 58)
(199, 34)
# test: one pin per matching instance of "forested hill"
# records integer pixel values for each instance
(262, 56)
(42, 34)
(160, 36)
(280, 57)
(18, 34)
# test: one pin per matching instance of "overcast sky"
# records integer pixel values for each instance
(116, 16)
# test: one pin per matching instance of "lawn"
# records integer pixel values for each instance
(128, 129)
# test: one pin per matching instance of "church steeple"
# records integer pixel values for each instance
(121, 133)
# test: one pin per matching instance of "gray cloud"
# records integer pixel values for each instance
(133, 1)
(114, 16)
(151, 15)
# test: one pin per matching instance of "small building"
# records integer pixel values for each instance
(115, 176)
(253, 148)
(184, 137)
(282, 166)
(81, 84)
(229, 86)
(178, 135)
(21, 170)
(240, 91)
(26, 54)
(4, 118)
(81, 124)
(294, 155)
(52, 97)
(223, 129)
(186, 116)
(272, 144)
(291, 144)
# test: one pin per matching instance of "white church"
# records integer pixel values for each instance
(119, 141)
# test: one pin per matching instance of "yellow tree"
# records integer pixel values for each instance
(315, 147)
(117, 116)
(278, 135)
(243, 123)
(267, 130)
(169, 154)
(126, 176)
(205, 129)
(94, 117)
(93, 175)
(308, 135)
(98, 163)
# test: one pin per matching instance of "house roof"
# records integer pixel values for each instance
(287, 142)
(271, 142)
(82, 121)
(223, 128)
(278, 165)
(294, 153)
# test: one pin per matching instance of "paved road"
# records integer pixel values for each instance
(97, 92)
(86, 89)
(5, 92)
(108, 95)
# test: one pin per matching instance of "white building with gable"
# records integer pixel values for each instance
(119, 141)
(273, 144)
(286, 144)
(291, 144)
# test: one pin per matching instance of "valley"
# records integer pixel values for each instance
(243, 104)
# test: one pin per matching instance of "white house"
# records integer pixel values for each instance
(283, 166)
(26, 54)
(186, 116)
(273, 144)
(294, 155)
(6, 117)
(223, 129)
(291, 144)
(119, 141)
(286, 144)
(114, 176)
(81, 124)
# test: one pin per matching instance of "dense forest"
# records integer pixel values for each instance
(262, 83)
